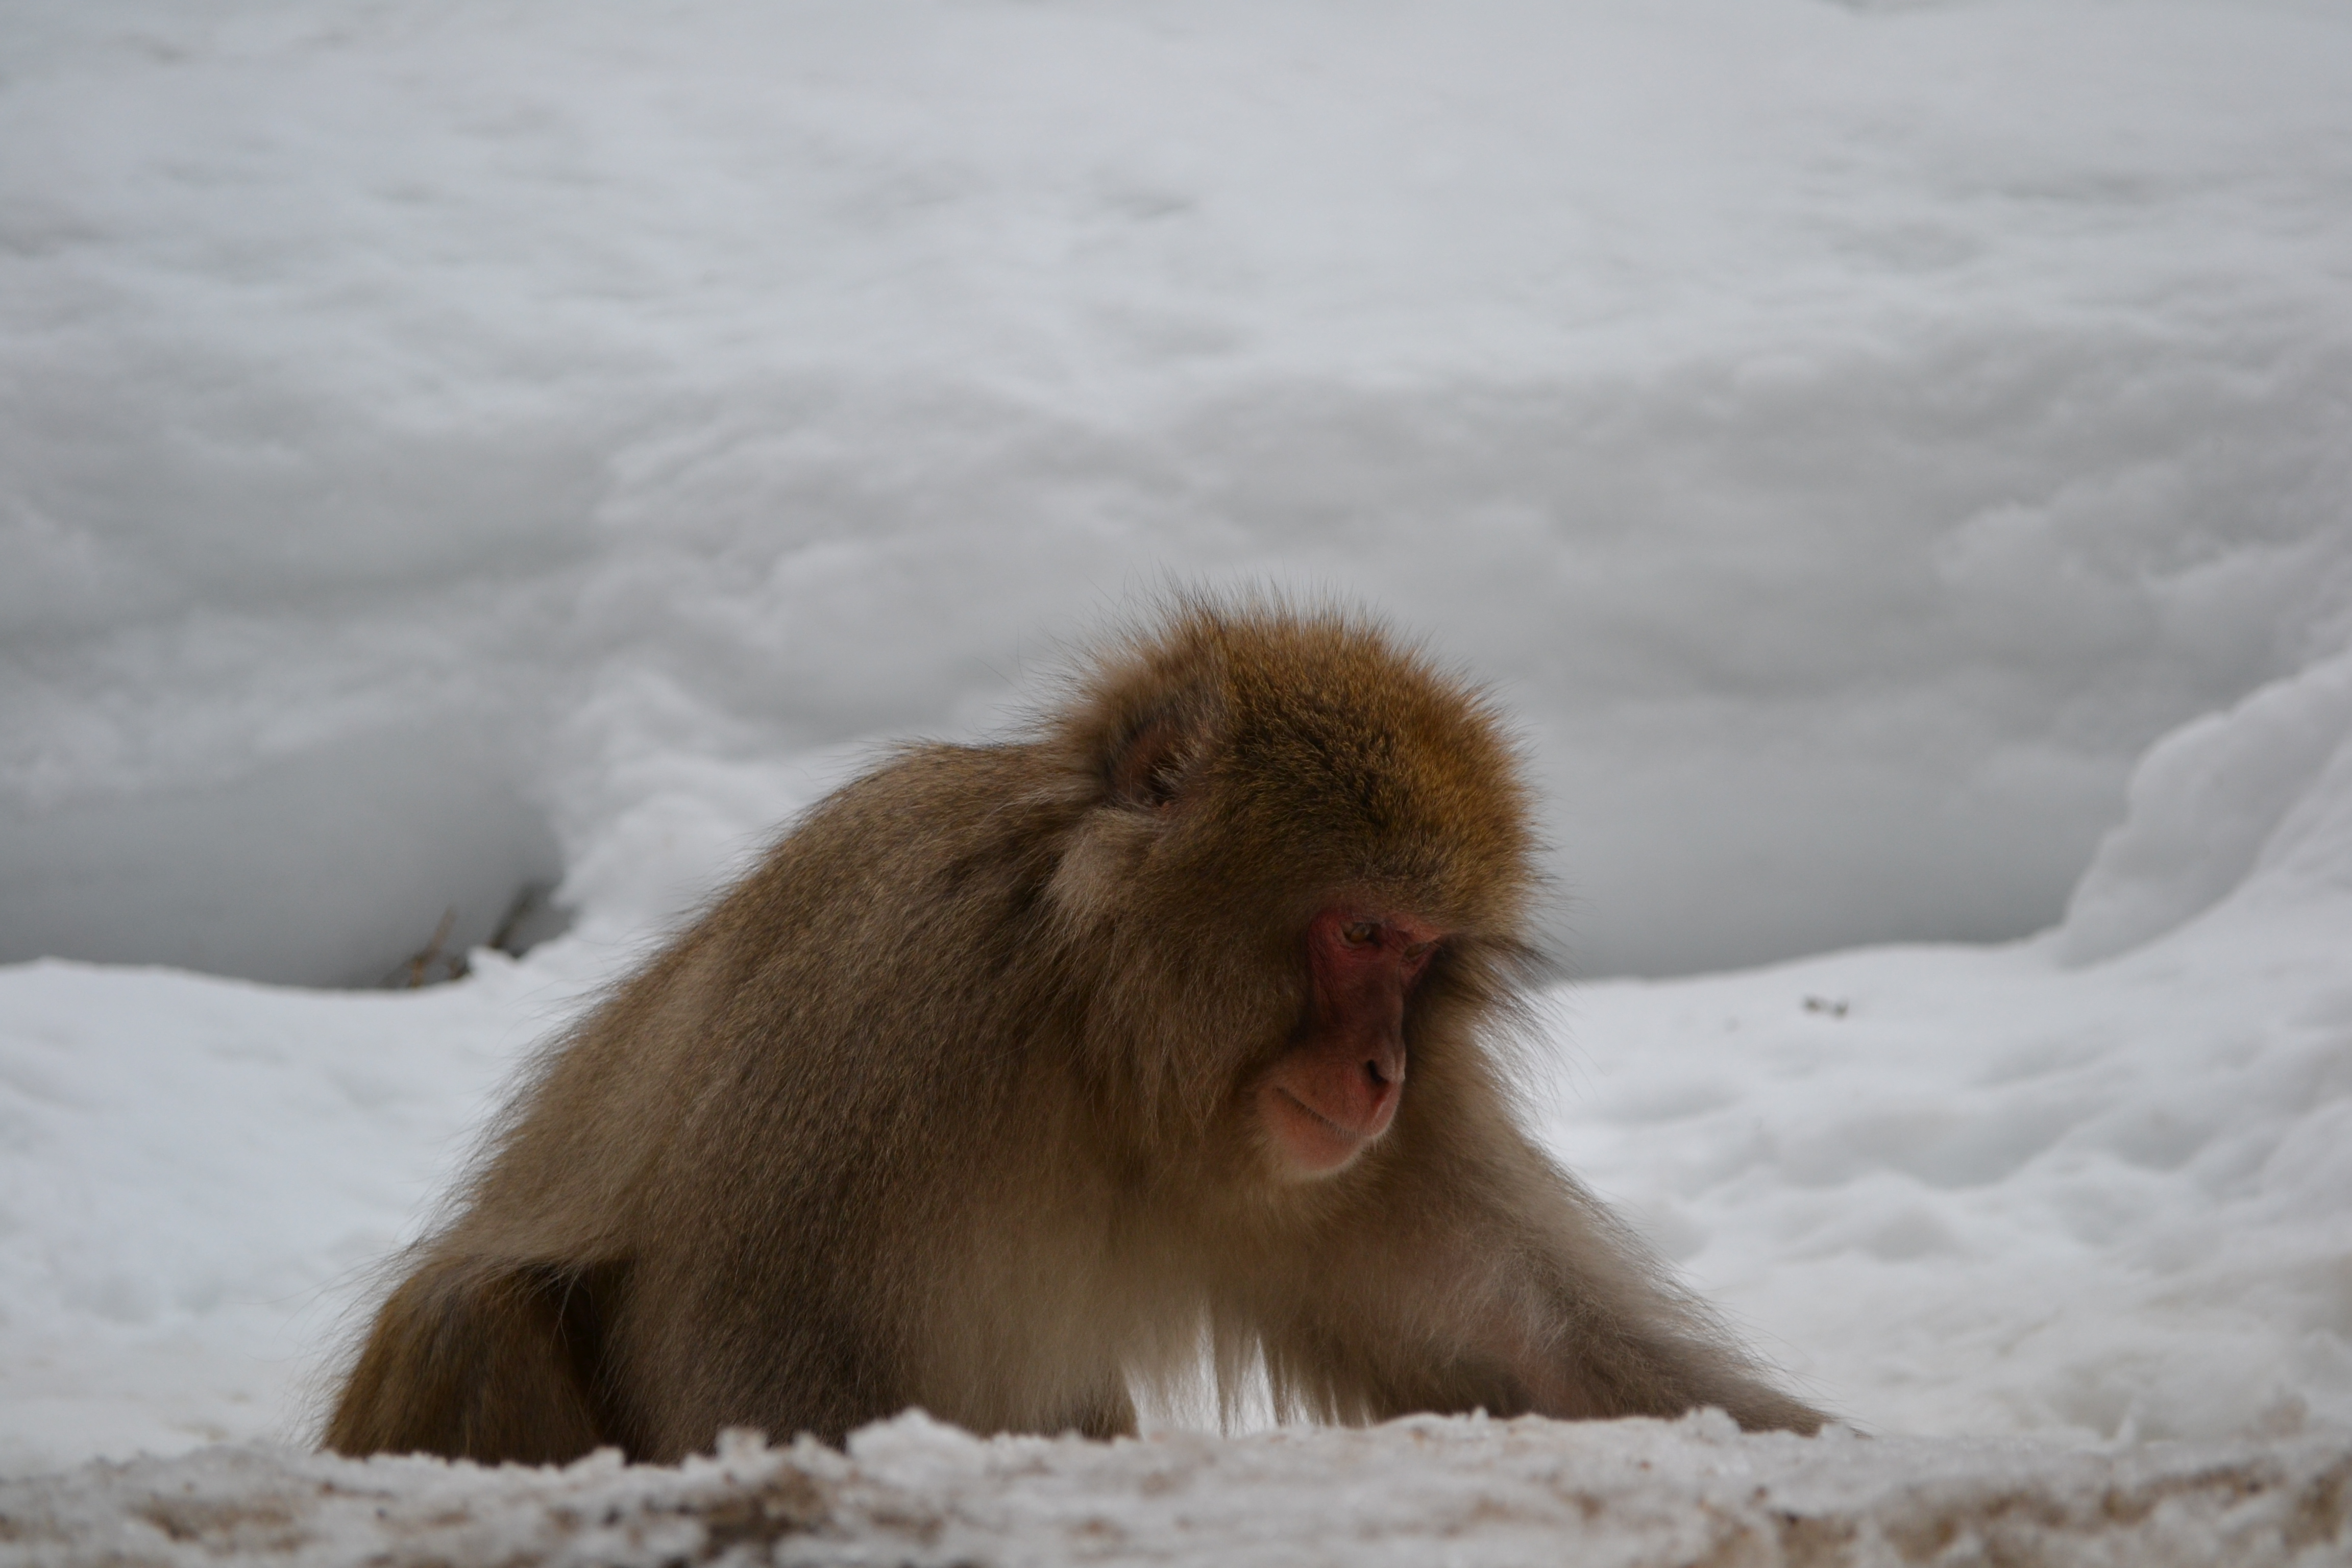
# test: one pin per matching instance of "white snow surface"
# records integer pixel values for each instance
(1896, 459)
(444, 447)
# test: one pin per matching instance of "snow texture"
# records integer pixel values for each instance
(444, 451)
(1466, 1492)
(2263, 786)
(1895, 458)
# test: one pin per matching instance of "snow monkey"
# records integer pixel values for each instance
(1017, 1073)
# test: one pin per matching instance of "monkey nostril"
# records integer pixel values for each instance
(1373, 1071)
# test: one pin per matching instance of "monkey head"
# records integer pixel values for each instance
(1311, 852)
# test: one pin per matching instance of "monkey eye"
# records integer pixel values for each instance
(1420, 951)
(1358, 934)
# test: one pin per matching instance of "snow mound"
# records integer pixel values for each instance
(2261, 794)
(1468, 1492)
(443, 450)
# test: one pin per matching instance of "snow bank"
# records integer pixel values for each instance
(2006, 1189)
(443, 452)
(1470, 1494)
(2260, 793)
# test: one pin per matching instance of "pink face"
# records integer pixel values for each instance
(1336, 1089)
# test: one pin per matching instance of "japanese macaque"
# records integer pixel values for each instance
(1017, 1073)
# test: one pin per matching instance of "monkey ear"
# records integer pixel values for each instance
(1148, 767)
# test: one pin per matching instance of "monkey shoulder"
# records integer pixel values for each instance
(898, 908)
(935, 822)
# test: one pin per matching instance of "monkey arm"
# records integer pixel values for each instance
(1596, 1326)
(1496, 1281)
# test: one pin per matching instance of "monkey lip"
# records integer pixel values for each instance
(1315, 1144)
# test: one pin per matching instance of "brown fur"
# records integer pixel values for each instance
(947, 1104)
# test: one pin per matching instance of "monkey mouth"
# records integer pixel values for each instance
(1316, 1145)
(1350, 1133)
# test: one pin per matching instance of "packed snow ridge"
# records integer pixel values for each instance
(1468, 1492)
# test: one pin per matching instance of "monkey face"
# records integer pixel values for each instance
(1336, 1089)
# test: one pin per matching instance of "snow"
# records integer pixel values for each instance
(1893, 459)
(2260, 787)
(446, 451)
(1468, 1492)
